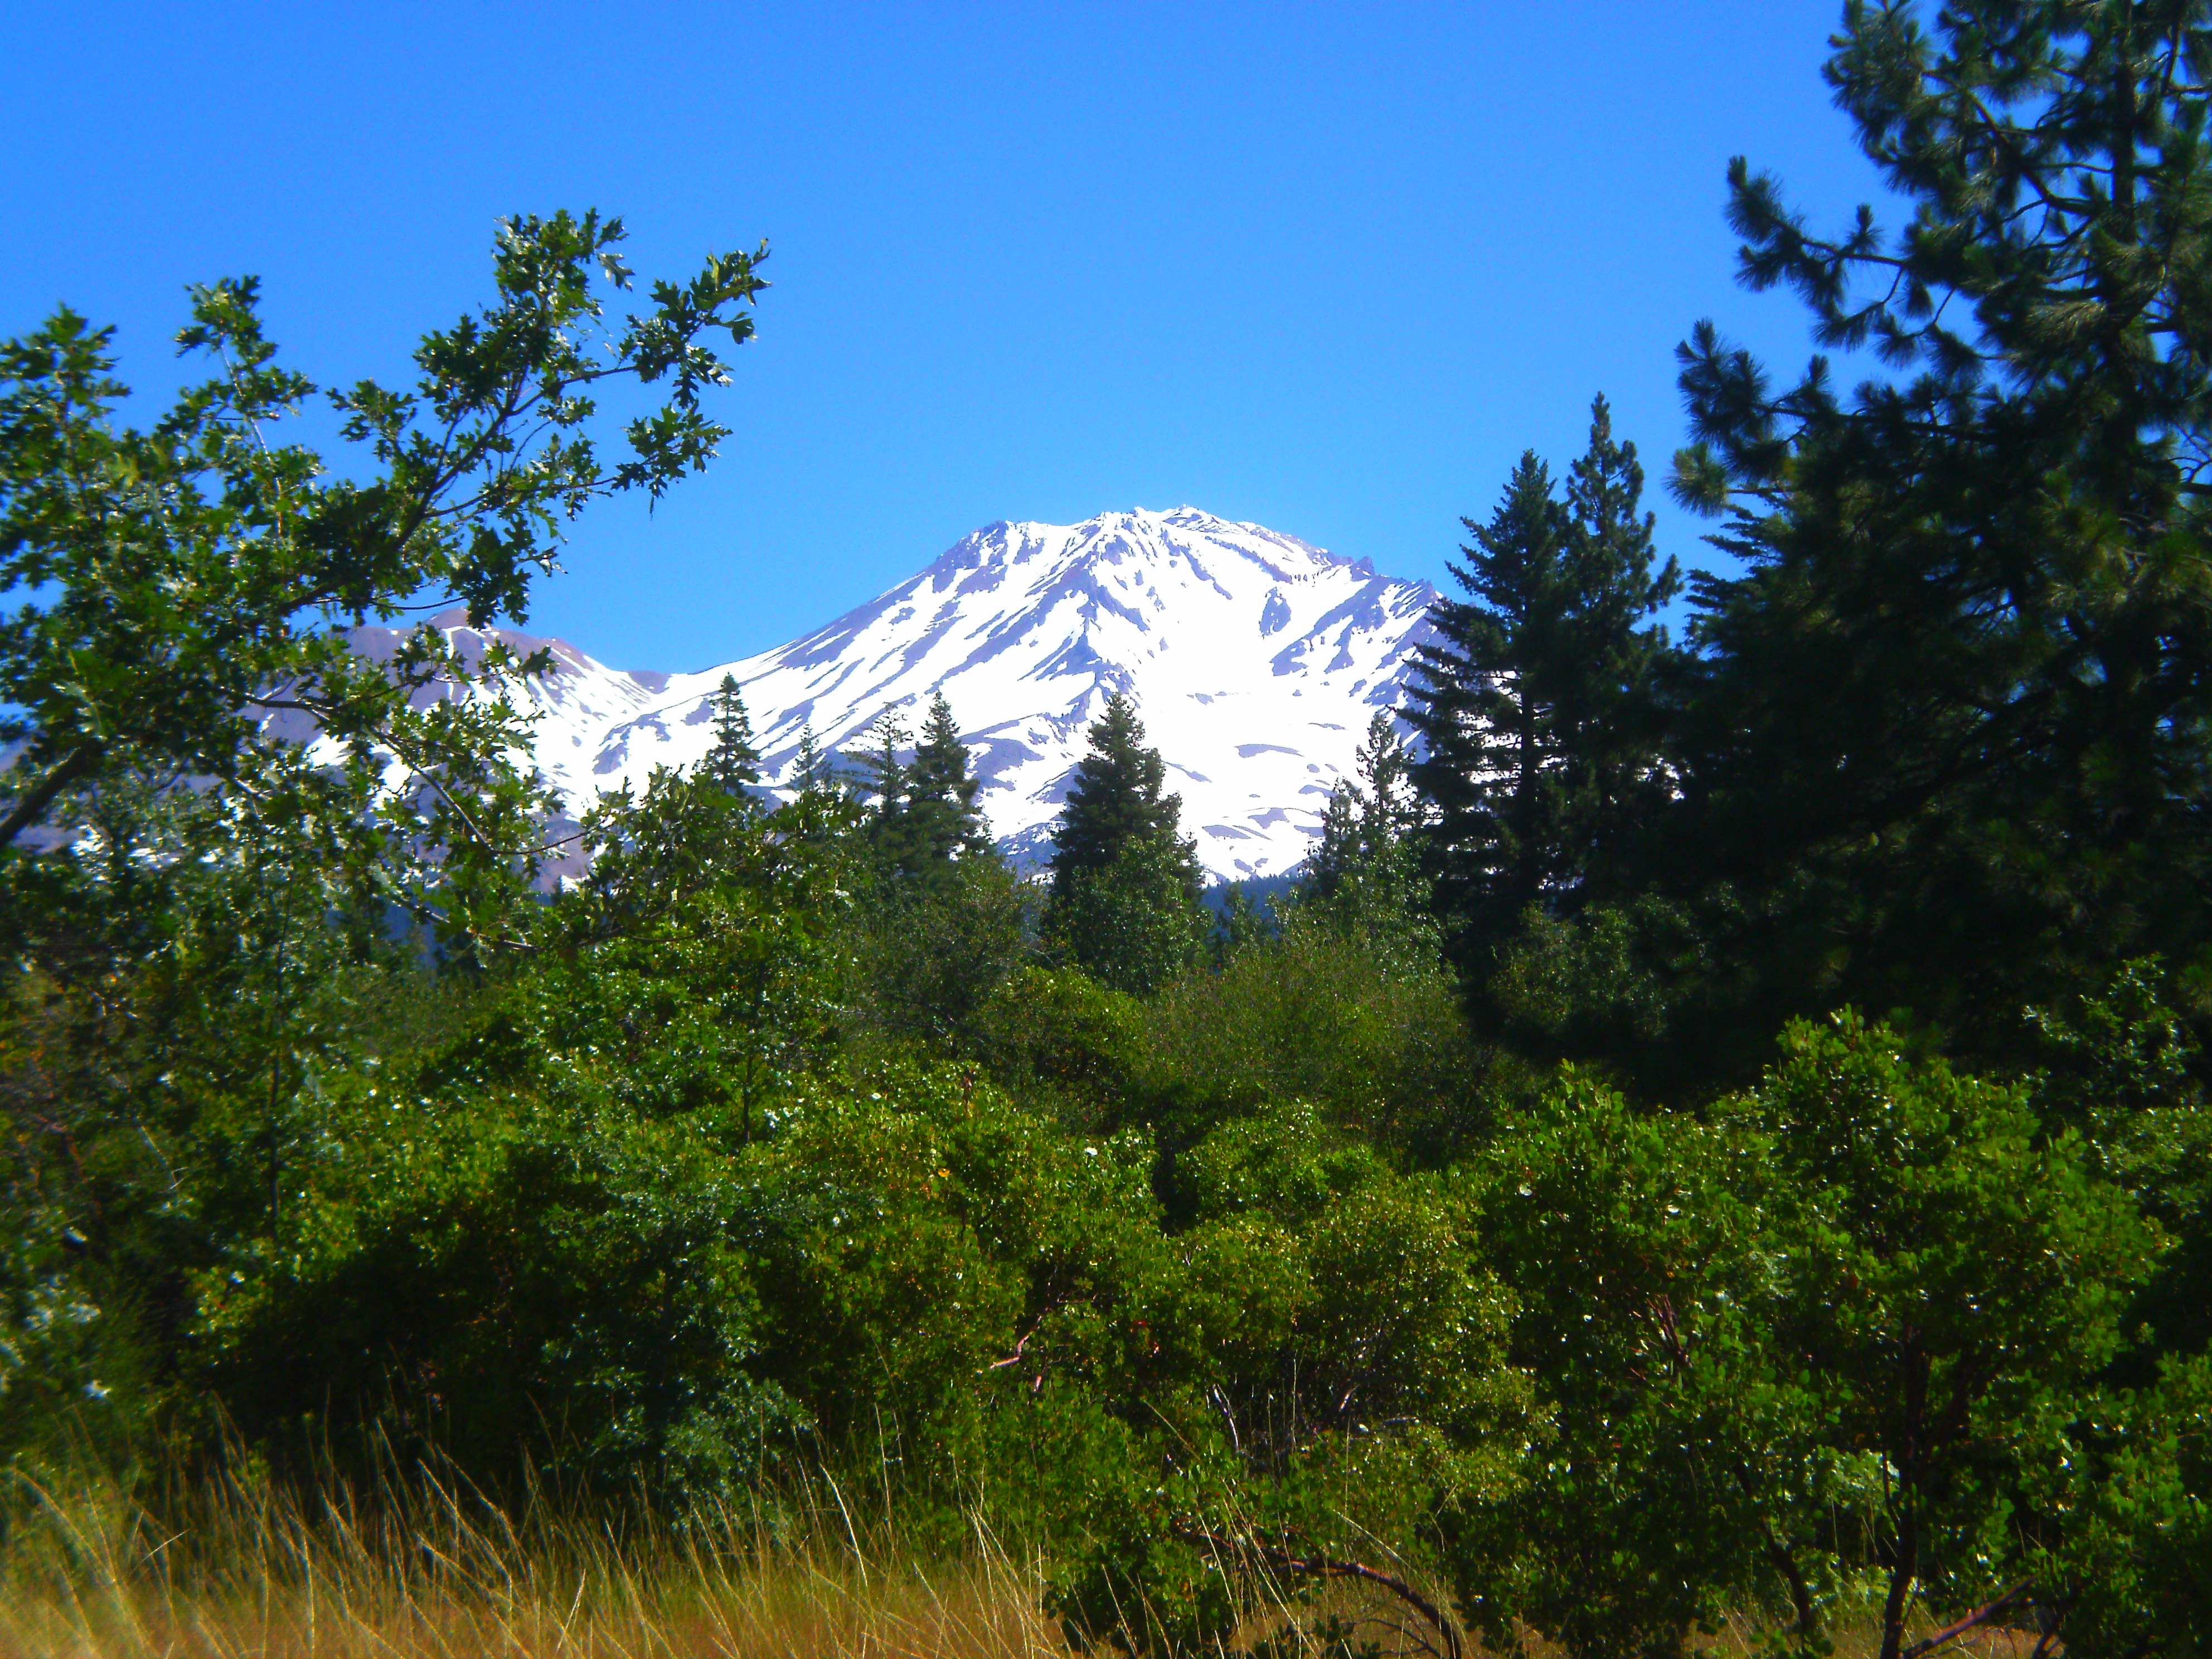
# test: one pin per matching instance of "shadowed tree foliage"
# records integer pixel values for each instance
(1949, 741)
(1537, 708)
(1125, 900)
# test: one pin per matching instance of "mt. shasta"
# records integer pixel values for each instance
(1254, 659)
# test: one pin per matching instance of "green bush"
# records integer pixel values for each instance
(1331, 1015)
(1059, 1039)
(1833, 1350)
(500, 1279)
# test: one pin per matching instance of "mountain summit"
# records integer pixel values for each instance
(1255, 661)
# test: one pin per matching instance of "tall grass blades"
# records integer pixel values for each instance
(427, 1568)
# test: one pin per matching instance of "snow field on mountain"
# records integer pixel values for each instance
(1255, 662)
(1254, 659)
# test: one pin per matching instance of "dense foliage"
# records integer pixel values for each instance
(1224, 1256)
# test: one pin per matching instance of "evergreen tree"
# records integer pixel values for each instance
(885, 776)
(944, 921)
(1364, 879)
(1612, 702)
(1126, 899)
(1366, 824)
(812, 772)
(1240, 924)
(1951, 747)
(1480, 702)
(941, 790)
(1116, 797)
(1536, 708)
(732, 765)
(925, 814)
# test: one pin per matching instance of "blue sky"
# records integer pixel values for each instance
(1327, 268)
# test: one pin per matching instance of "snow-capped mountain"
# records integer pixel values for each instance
(1255, 662)
(574, 704)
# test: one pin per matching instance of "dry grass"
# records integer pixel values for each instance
(93, 1574)
(429, 1568)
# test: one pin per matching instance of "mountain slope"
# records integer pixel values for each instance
(576, 703)
(1255, 661)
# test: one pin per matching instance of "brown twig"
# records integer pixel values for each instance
(2052, 1626)
(1322, 1567)
(1951, 1633)
(80, 763)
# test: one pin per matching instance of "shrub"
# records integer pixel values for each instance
(1838, 1342)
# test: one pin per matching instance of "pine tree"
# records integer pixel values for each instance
(1612, 703)
(1951, 748)
(1239, 925)
(1536, 708)
(941, 789)
(1480, 703)
(884, 775)
(945, 921)
(733, 764)
(1368, 819)
(812, 772)
(1127, 896)
(1116, 796)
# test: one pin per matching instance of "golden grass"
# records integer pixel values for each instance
(92, 1574)
(427, 1568)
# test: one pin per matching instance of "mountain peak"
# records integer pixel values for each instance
(1255, 660)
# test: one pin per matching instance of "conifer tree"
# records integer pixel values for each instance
(946, 922)
(812, 772)
(1127, 896)
(1612, 702)
(1536, 706)
(941, 790)
(1481, 702)
(885, 776)
(1951, 746)
(1240, 925)
(733, 764)
(1117, 796)
(1363, 870)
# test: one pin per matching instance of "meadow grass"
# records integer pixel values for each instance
(241, 1566)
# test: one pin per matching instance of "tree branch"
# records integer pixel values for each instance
(1322, 1567)
(26, 811)
(1952, 1633)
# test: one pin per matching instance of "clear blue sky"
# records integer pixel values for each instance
(1328, 268)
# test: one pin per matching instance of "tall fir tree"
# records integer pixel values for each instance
(732, 764)
(1369, 820)
(1482, 704)
(1537, 705)
(1364, 876)
(946, 922)
(1615, 704)
(1127, 896)
(925, 814)
(1118, 796)
(812, 770)
(881, 777)
(941, 790)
